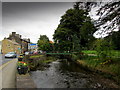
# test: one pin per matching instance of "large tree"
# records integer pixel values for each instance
(44, 43)
(74, 31)
(115, 38)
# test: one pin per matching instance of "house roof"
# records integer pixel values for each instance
(13, 42)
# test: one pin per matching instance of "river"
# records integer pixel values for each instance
(64, 74)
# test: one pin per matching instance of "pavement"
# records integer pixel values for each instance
(8, 74)
(9, 78)
(24, 81)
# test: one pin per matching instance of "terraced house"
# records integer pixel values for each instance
(14, 43)
(10, 46)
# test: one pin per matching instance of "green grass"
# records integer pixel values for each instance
(92, 61)
(47, 61)
(36, 56)
(114, 53)
(110, 67)
(89, 51)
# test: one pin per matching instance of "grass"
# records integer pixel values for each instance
(114, 53)
(110, 67)
(89, 51)
(47, 61)
(36, 56)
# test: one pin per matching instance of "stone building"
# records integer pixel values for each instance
(0, 46)
(17, 39)
(25, 43)
(10, 46)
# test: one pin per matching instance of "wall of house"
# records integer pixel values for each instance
(0, 46)
(24, 46)
(10, 46)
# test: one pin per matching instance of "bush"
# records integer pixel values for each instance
(75, 57)
(103, 48)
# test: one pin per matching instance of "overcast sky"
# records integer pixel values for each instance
(32, 19)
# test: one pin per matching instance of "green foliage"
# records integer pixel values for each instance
(74, 31)
(36, 56)
(89, 51)
(44, 38)
(103, 48)
(115, 37)
(44, 43)
(74, 57)
(112, 68)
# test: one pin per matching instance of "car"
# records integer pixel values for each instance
(31, 52)
(26, 53)
(35, 52)
(11, 55)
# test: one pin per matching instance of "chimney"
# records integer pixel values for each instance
(29, 40)
(20, 36)
(13, 33)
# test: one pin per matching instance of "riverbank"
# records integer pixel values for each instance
(42, 63)
(63, 73)
(105, 70)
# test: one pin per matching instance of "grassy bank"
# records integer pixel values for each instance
(111, 68)
(39, 61)
(48, 59)
(114, 53)
(36, 56)
(89, 52)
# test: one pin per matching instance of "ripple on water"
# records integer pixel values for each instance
(61, 75)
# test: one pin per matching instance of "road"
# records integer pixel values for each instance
(7, 72)
(4, 60)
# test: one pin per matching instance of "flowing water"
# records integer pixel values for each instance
(64, 74)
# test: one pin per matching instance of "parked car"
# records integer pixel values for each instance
(35, 52)
(11, 55)
(26, 53)
(31, 52)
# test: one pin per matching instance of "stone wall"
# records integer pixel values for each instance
(10, 46)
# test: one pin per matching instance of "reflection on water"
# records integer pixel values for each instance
(64, 74)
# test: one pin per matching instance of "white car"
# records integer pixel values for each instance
(11, 55)
(26, 53)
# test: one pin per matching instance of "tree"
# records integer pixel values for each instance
(115, 37)
(74, 25)
(44, 38)
(109, 17)
(104, 48)
(44, 43)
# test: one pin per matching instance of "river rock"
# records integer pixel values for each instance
(62, 73)
(99, 85)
